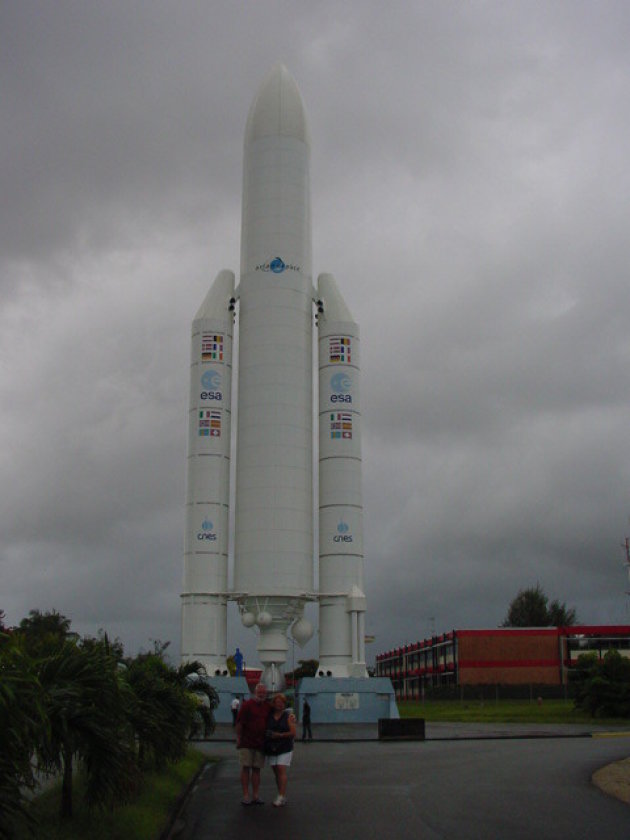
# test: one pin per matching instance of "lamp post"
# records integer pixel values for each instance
(295, 703)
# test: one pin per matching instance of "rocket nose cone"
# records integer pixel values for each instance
(277, 109)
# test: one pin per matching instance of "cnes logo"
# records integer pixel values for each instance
(342, 534)
(207, 531)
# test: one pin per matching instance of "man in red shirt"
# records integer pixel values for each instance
(251, 724)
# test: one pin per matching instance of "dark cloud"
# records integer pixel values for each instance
(469, 193)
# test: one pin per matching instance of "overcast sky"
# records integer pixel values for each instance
(471, 195)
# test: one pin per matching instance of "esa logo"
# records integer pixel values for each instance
(342, 534)
(211, 383)
(340, 384)
(207, 531)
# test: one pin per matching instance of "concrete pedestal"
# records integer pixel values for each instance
(228, 688)
(347, 699)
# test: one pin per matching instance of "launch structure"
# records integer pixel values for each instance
(278, 308)
(626, 551)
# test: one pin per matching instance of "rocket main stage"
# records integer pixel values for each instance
(274, 514)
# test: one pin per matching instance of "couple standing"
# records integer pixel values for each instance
(264, 729)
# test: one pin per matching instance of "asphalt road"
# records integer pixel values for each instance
(489, 789)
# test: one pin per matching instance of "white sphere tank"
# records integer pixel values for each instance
(302, 631)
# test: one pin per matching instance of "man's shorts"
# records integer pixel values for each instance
(251, 758)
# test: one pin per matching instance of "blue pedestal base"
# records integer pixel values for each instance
(228, 688)
(347, 700)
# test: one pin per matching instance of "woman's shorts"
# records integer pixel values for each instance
(284, 759)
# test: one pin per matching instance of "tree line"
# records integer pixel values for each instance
(602, 685)
(68, 702)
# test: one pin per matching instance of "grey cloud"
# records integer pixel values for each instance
(470, 195)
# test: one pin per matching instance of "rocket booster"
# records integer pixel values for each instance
(204, 595)
(342, 603)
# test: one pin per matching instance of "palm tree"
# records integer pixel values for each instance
(165, 705)
(63, 701)
(205, 696)
(160, 713)
(84, 702)
(21, 722)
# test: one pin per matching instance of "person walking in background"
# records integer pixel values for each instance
(306, 721)
(235, 707)
(279, 745)
(251, 724)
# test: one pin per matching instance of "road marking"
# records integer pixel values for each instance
(610, 734)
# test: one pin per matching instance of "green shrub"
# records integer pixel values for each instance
(603, 685)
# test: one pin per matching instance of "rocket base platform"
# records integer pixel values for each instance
(228, 688)
(347, 700)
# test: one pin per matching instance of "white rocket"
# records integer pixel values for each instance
(274, 514)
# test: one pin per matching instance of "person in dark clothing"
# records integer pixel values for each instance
(306, 721)
(251, 723)
(279, 745)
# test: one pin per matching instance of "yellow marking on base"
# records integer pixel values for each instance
(610, 734)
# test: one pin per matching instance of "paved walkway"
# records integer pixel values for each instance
(457, 784)
(224, 732)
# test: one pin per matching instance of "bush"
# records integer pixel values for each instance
(603, 685)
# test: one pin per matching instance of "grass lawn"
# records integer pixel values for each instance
(142, 819)
(502, 711)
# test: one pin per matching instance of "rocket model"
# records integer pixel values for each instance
(274, 508)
